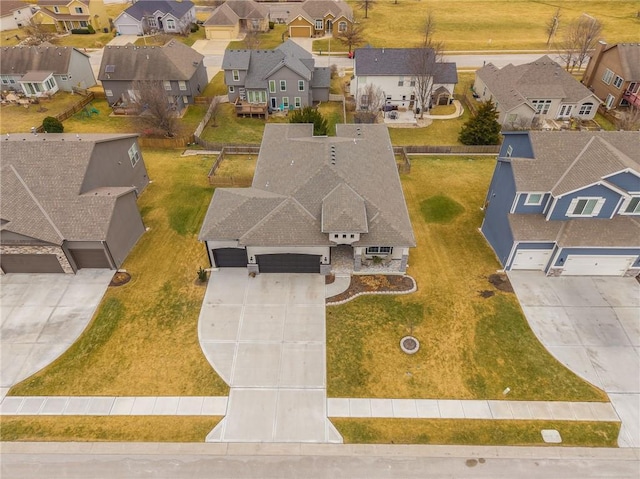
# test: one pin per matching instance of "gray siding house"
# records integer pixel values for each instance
(69, 201)
(44, 69)
(151, 16)
(179, 67)
(282, 79)
(314, 199)
(567, 203)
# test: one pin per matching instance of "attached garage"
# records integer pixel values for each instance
(288, 263)
(532, 259)
(30, 263)
(221, 33)
(128, 29)
(230, 257)
(300, 31)
(90, 258)
(604, 265)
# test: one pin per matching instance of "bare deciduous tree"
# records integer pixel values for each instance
(252, 40)
(214, 108)
(37, 33)
(366, 5)
(352, 36)
(580, 38)
(155, 110)
(552, 25)
(630, 119)
(425, 62)
(370, 102)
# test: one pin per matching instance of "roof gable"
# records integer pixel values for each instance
(143, 8)
(45, 57)
(344, 210)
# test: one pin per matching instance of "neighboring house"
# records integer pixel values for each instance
(529, 94)
(394, 71)
(566, 203)
(69, 201)
(65, 15)
(44, 69)
(311, 197)
(235, 16)
(15, 14)
(284, 78)
(316, 18)
(613, 73)
(150, 16)
(179, 67)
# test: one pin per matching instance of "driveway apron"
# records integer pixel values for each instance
(592, 326)
(265, 336)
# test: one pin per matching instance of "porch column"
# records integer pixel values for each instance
(403, 262)
(357, 261)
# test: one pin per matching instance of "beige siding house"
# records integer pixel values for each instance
(236, 16)
(317, 18)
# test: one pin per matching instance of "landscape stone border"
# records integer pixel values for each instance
(409, 291)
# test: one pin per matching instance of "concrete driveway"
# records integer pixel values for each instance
(42, 315)
(265, 336)
(592, 326)
(120, 40)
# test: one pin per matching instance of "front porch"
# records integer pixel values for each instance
(343, 262)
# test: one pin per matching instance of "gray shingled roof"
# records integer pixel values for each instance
(344, 210)
(569, 160)
(147, 7)
(8, 6)
(222, 16)
(173, 61)
(541, 79)
(400, 61)
(630, 60)
(317, 9)
(297, 169)
(41, 179)
(45, 57)
(230, 12)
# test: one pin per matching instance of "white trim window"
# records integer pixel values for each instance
(152, 22)
(631, 206)
(609, 101)
(272, 86)
(236, 75)
(108, 92)
(300, 85)
(534, 199)
(379, 250)
(182, 85)
(134, 155)
(618, 81)
(297, 102)
(541, 106)
(56, 9)
(167, 84)
(171, 24)
(285, 102)
(509, 151)
(586, 207)
(342, 27)
(232, 89)
(607, 77)
(585, 109)
(283, 85)
(79, 10)
(319, 24)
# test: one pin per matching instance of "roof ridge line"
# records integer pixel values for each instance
(573, 163)
(265, 218)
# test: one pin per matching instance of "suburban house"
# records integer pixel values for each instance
(394, 71)
(566, 203)
(280, 79)
(235, 16)
(69, 201)
(613, 73)
(312, 199)
(535, 94)
(44, 69)
(65, 15)
(152, 16)
(317, 18)
(15, 14)
(179, 67)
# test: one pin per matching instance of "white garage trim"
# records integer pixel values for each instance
(129, 29)
(532, 259)
(597, 265)
(296, 29)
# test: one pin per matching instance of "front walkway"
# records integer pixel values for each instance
(265, 336)
(592, 326)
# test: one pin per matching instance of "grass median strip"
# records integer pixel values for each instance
(107, 428)
(143, 340)
(475, 431)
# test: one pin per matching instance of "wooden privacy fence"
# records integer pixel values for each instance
(401, 151)
(71, 111)
(451, 149)
(175, 142)
(230, 150)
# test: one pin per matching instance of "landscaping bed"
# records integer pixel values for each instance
(374, 284)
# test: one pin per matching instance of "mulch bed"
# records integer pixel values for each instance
(373, 283)
(330, 278)
(501, 282)
(120, 278)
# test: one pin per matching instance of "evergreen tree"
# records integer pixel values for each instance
(483, 128)
(52, 125)
(310, 115)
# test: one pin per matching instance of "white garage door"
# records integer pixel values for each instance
(579, 265)
(128, 29)
(536, 259)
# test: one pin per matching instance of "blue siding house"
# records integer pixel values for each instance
(567, 203)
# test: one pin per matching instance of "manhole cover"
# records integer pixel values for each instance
(409, 344)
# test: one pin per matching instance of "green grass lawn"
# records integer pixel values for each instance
(18, 119)
(107, 428)
(439, 132)
(9, 38)
(95, 40)
(143, 339)
(158, 40)
(471, 347)
(471, 432)
(332, 111)
(268, 40)
(216, 86)
(492, 24)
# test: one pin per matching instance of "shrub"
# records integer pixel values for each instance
(90, 29)
(271, 25)
(483, 128)
(194, 27)
(52, 125)
(202, 275)
(80, 31)
(310, 115)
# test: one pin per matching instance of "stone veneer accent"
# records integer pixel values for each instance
(62, 258)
